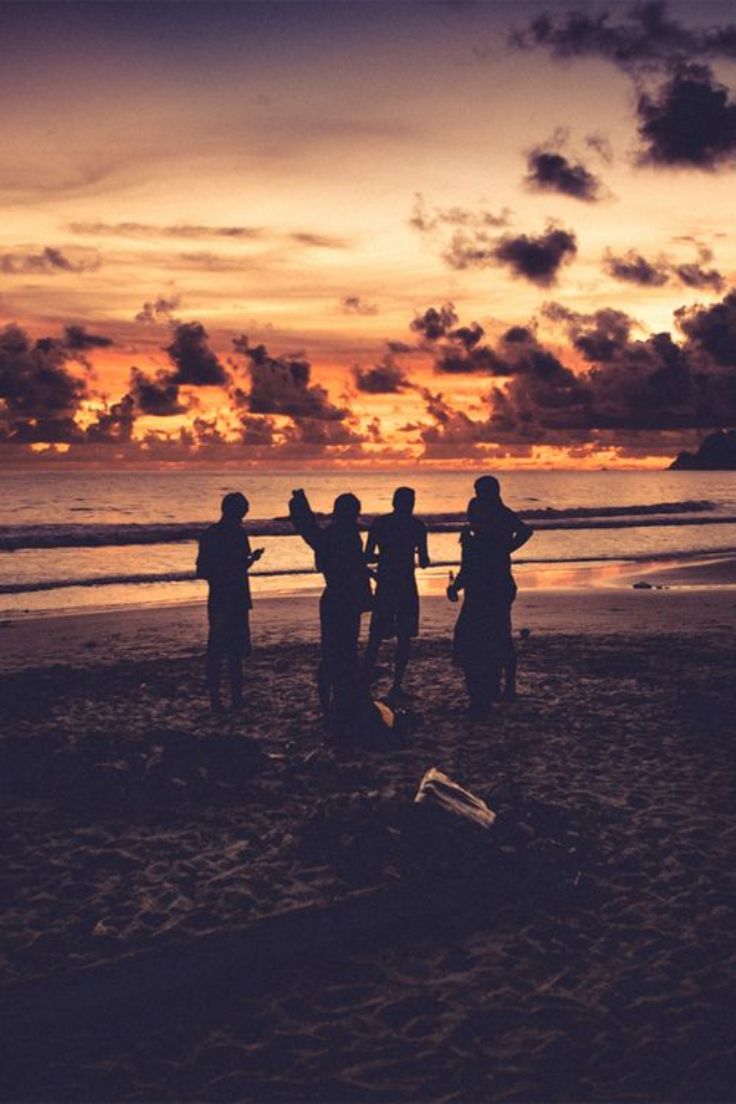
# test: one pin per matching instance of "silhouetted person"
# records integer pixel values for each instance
(338, 549)
(224, 559)
(398, 541)
(483, 644)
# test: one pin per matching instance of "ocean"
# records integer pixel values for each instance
(95, 540)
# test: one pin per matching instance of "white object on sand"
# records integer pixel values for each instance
(439, 790)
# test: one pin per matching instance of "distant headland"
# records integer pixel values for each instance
(716, 453)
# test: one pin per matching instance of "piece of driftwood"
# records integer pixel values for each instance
(439, 792)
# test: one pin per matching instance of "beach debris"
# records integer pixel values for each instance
(446, 831)
(451, 799)
(642, 586)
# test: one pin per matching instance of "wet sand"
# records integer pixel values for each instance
(601, 968)
(581, 598)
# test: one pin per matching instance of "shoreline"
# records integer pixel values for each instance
(700, 595)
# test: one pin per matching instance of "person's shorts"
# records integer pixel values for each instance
(229, 626)
(395, 613)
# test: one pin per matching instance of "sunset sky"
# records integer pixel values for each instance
(272, 233)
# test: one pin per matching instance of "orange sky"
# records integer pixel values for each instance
(256, 171)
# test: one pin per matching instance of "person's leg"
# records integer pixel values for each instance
(347, 677)
(477, 708)
(324, 670)
(479, 681)
(509, 690)
(372, 649)
(235, 671)
(403, 651)
(214, 663)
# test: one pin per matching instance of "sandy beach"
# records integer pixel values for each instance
(599, 965)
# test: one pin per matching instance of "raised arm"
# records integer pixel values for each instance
(304, 521)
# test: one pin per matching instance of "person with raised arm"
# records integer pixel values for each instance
(224, 560)
(339, 556)
(398, 541)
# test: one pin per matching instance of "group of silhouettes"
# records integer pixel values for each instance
(396, 545)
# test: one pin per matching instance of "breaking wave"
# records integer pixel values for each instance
(189, 576)
(78, 535)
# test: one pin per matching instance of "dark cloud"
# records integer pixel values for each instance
(695, 275)
(475, 242)
(645, 38)
(601, 145)
(427, 220)
(151, 230)
(258, 432)
(77, 340)
(464, 236)
(436, 322)
(690, 122)
(633, 387)
(316, 432)
(549, 170)
(597, 336)
(319, 241)
(455, 357)
(385, 378)
(281, 385)
(468, 336)
(462, 350)
(196, 363)
(39, 396)
(157, 395)
(540, 258)
(355, 304)
(113, 425)
(632, 268)
(47, 262)
(712, 330)
(156, 310)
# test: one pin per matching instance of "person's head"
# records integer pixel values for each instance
(234, 506)
(488, 489)
(346, 508)
(403, 500)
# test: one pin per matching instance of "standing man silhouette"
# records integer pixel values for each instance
(398, 541)
(338, 549)
(224, 560)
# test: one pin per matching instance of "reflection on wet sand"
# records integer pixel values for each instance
(713, 571)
